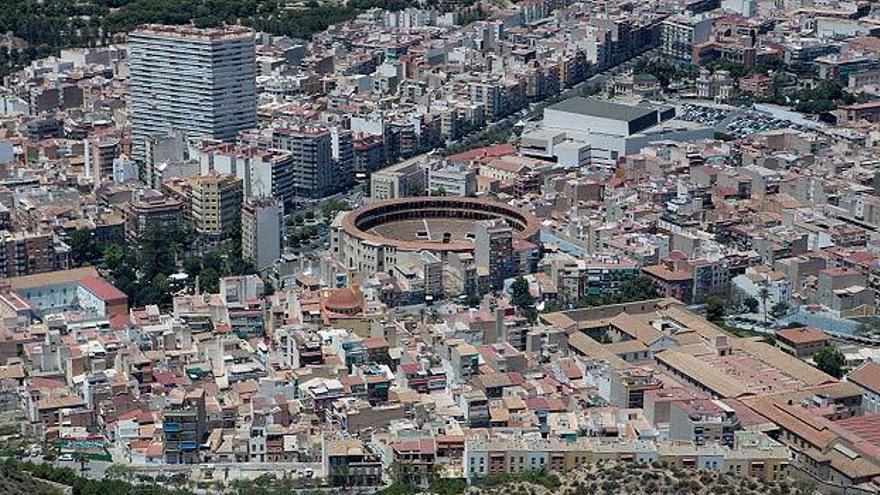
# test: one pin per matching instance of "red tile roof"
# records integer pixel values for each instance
(867, 376)
(102, 289)
(119, 321)
(802, 335)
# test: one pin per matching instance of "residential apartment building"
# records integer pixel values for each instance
(348, 462)
(681, 33)
(99, 156)
(690, 280)
(215, 204)
(407, 178)
(264, 172)
(198, 81)
(150, 211)
(593, 276)
(23, 253)
(262, 221)
(452, 180)
(753, 453)
(184, 427)
(493, 251)
(845, 292)
(311, 150)
(702, 421)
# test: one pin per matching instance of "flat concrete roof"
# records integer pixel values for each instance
(602, 109)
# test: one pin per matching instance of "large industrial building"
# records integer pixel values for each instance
(581, 131)
(201, 82)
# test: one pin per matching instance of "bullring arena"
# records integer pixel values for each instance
(368, 238)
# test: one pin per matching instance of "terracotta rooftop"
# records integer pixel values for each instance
(102, 289)
(867, 376)
(803, 335)
(344, 298)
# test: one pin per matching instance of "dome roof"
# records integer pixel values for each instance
(344, 300)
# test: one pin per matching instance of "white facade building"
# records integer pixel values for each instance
(198, 81)
(755, 279)
(580, 130)
(453, 180)
(124, 169)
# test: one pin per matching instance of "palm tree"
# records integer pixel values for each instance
(764, 294)
(82, 460)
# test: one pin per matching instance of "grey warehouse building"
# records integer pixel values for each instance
(581, 131)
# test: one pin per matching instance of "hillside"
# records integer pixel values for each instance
(19, 483)
(637, 479)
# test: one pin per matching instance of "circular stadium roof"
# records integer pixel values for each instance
(433, 223)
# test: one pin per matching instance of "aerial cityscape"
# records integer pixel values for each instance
(518, 247)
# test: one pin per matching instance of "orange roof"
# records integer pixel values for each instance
(344, 298)
(867, 376)
(660, 271)
(803, 335)
(103, 289)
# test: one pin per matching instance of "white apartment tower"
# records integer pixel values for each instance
(200, 82)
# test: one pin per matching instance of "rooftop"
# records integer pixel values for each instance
(602, 109)
(802, 335)
(220, 33)
(51, 278)
(867, 376)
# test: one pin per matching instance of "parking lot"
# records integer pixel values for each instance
(736, 122)
(702, 114)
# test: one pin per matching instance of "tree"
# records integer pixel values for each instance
(122, 265)
(209, 281)
(665, 71)
(714, 309)
(192, 266)
(638, 288)
(331, 207)
(119, 471)
(416, 189)
(520, 294)
(473, 301)
(831, 361)
(764, 294)
(779, 309)
(83, 249)
(398, 488)
(522, 299)
(751, 304)
(591, 90)
(448, 486)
